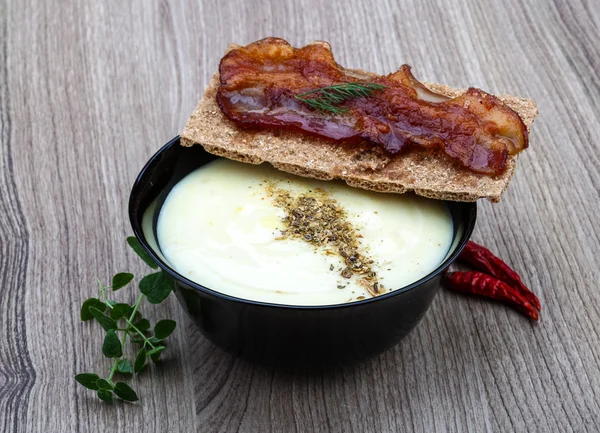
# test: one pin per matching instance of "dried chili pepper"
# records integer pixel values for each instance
(484, 260)
(478, 283)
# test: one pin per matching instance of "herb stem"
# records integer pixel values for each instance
(113, 370)
(140, 333)
(130, 323)
(135, 307)
(103, 293)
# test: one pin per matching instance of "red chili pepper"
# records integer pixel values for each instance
(479, 283)
(484, 260)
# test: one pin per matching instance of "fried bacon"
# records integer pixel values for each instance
(259, 83)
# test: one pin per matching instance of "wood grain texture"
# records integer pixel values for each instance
(90, 90)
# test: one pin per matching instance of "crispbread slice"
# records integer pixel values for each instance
(428, 173)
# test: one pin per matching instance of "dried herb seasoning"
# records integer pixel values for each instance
(317, 218)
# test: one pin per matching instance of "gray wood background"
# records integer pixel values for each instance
(90, 90)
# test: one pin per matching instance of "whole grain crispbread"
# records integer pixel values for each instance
(428, 173)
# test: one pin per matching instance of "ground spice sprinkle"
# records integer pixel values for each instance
(315, 217)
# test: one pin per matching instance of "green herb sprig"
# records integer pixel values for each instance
(329, 98)
(127, 320)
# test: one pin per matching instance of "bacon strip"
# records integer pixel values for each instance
(259, 82)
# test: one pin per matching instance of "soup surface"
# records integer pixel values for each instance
(224, 226)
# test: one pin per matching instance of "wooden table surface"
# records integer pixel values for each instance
(90, 90)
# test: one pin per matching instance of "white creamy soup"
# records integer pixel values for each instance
(221, 227)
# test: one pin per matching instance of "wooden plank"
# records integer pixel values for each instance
(88, 91)
(17, 374)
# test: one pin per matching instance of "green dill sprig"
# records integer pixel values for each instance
(115, 318)
(328, 98)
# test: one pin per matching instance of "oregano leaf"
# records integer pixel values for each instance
(157, 349)
(155, 357)
(120, 310)
(164, 328)
(124, 366)
(125, 392)
(156, 287)
(140, 251)
(142, 324)
(120, 280)
(112, 345)
(88, 380)
(105, 395)
(106, 322)
(85, 313)
(103, 384)
(140, 361)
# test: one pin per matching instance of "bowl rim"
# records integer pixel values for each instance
(133, 210)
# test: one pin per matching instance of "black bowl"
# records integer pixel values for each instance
(285, 334)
